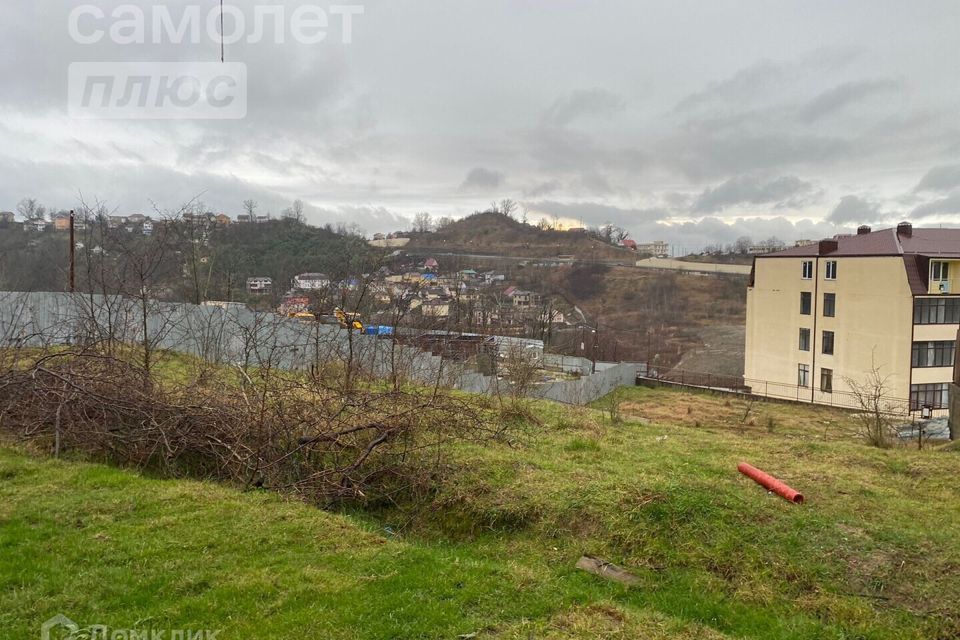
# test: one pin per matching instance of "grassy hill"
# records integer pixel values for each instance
(496, 234)
(872, 554)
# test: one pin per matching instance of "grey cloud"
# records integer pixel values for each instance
(369, 219)
(703, 154)
(543, 189)
(843, 95)
(855, 210)
(482, 179)
(567, 113)
(752, 189)
(593, 213)
(581, 103)
(652, 224)
(943, 178)
(948, 205)
(745, 82)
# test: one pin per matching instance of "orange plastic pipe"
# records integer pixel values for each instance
(770, 483)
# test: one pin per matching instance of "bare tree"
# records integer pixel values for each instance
(506, 206)
(30, 209)
(250, 208)
(294, 212)
(742, 245)
(422, 222)
(876, 409)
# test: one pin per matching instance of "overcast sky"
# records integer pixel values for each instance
(694, 122)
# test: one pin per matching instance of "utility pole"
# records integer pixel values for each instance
(596, 345)
(73, 250)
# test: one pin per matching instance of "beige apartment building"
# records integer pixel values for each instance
(824, 314)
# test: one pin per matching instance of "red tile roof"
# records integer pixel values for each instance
(886, 242)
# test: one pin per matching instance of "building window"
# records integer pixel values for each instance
(935, 395)
(831, 271)
(804, 339)
(829, 305)
(939, 353)
(806, 302)
(803, 375)
(808, 269)
(826, 380)
(828, 343)
(940, 270)
(936, 311)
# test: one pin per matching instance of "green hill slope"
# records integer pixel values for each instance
(871, 554)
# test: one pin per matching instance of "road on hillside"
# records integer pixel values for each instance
(669, 264)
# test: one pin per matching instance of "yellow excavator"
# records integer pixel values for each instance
(348, 320)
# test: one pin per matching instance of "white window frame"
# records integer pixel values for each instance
(939, 271)
(806, 270)
(830, 272)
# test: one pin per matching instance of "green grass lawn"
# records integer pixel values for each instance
(872, 554)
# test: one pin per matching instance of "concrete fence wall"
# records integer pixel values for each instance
(237, 335)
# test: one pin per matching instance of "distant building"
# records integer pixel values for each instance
(260, 285)
(222, 218)
(36, 224)
(244, 219)
(147, 227)
(115, 222)
(311, 281)
(7, 216)
(629, 244)
(436, 309)
(431, 265)
(657, 248)
(137, 218)
(294, 304)
(61, 222)
(521, 298)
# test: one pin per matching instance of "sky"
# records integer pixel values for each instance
(689, 121)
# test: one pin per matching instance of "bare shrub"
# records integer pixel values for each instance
(874, 420)
(273, 429)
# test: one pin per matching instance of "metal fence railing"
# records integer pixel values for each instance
(782, 391)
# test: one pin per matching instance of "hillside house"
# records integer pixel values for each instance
(260, 285)
(7, 216)
(436, 309)
(657, 248)
(311, 281)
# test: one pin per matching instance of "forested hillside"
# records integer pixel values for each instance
(195, 261)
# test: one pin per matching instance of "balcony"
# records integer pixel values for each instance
(944, 277)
